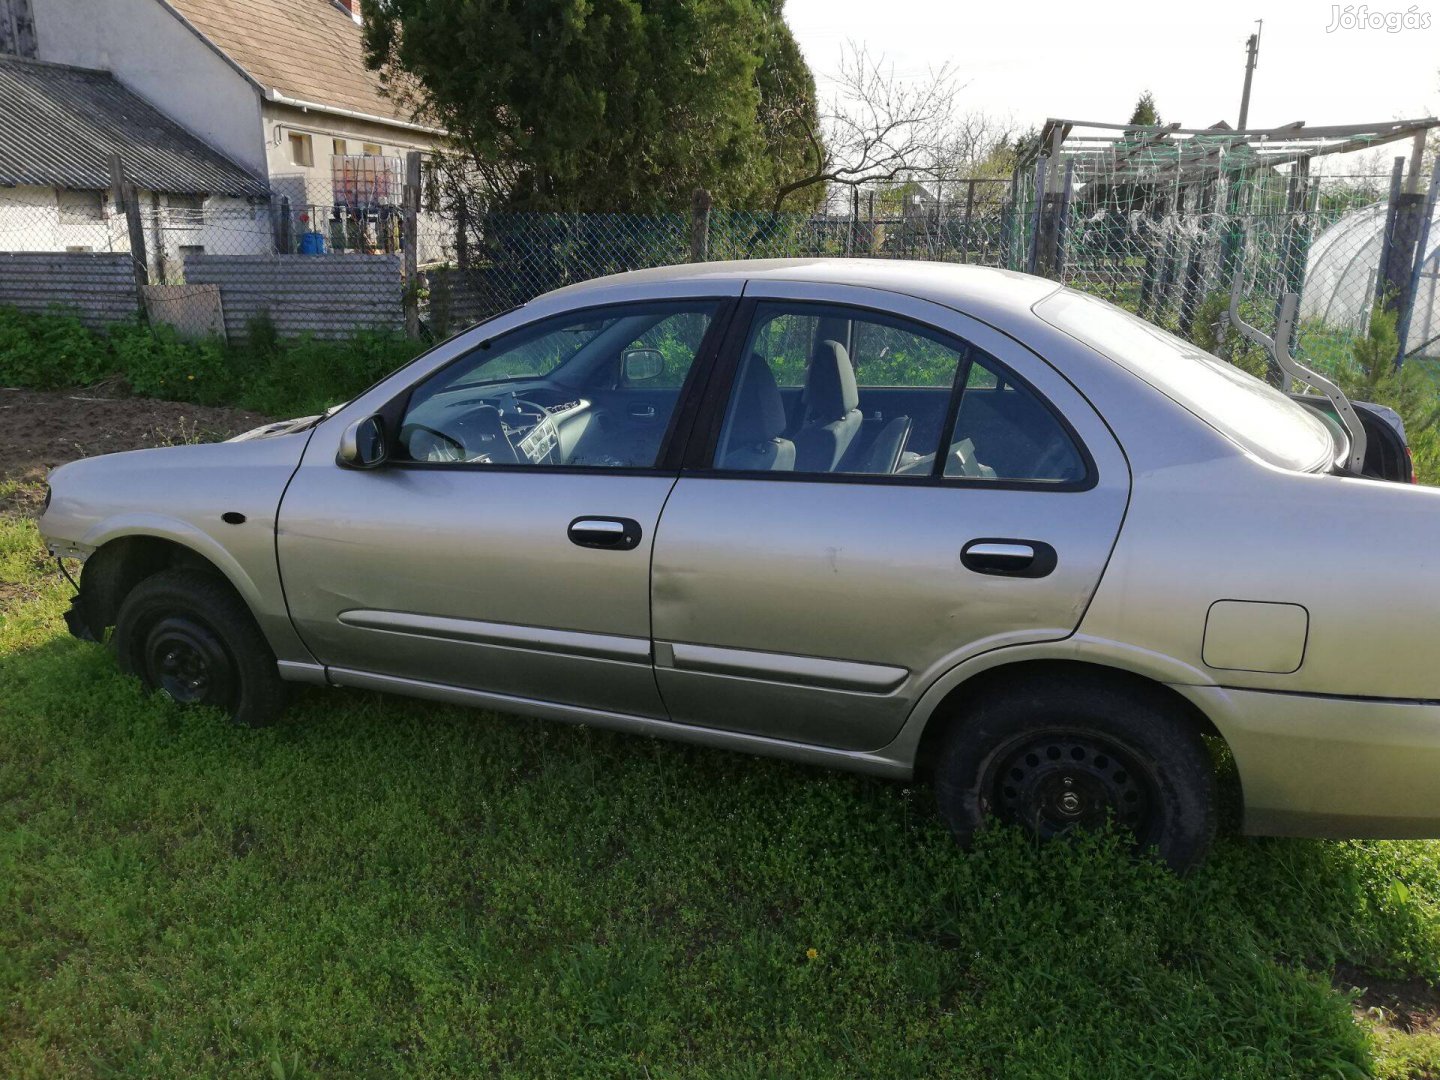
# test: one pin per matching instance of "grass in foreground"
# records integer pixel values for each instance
(379, 886)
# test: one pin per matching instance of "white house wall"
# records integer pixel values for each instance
(30, 221)
(153, 53)
(225, 226)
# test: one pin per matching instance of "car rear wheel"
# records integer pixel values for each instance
(185, 633)
(1057, 756)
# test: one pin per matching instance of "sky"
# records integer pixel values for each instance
(1081, 61)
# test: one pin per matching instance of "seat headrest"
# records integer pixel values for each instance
(830, 392)
(759, 410)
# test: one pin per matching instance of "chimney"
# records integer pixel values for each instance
(351, 7)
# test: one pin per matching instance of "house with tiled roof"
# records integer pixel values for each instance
(278, 87)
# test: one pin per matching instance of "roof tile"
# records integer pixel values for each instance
(305, 49)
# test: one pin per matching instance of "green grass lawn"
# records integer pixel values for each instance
(380, 887)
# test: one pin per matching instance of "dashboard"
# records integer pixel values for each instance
(535, 424)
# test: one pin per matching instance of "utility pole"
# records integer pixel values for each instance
(1252, 50)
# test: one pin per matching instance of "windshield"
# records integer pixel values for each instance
(1239, 406)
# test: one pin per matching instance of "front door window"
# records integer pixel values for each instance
(590, 389)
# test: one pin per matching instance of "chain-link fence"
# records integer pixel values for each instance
(211, 266)
(1349, 245)
(359, 256)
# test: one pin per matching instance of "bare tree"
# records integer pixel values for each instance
(977, 145)
(879, 128)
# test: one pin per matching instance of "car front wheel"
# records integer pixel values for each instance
(1057, 756)
(187, 634)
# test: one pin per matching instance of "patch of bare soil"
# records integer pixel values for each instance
(1411, 1006)
(39, 431)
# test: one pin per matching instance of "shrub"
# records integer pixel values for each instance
(1213, 333)
(50, 350)
(309, 375)
(265, 373)
(157, 362)
(1371, 375)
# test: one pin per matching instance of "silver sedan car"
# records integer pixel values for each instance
(894, 517)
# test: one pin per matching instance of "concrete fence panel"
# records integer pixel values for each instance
(99, 287)
(329, 296)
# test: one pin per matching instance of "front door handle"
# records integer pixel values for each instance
(643, 412)
(611, 534)
(1005, 557)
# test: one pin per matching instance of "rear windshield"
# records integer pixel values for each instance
(1240, 406)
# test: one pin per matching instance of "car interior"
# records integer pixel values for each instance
(596, 390)
(822, 390)
(872, 398)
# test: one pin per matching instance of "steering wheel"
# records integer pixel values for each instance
(479, 434)
(424, 443)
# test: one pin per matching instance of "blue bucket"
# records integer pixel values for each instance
(312, 243)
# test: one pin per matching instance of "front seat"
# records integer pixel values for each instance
(754, 442)
(831, 410)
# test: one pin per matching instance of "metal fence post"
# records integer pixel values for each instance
(284, 242)
(1169, 258)
(1295, 240)
(1422, 249)
(128, 200)
(1062, 222)
(1387, 239)
(1149, 305)
(1041, 171)
(700, 225)
(462, 232)
(1047, 259)
(965, 226)
(410, 241)
(1195, 261)
(1233, 243)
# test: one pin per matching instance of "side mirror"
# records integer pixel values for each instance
(641, 365)
(363, 445)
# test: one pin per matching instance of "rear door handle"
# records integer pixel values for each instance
(611, 534)
(1005, 557)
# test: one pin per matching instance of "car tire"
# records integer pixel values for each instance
(1059, 755)
(186, 633)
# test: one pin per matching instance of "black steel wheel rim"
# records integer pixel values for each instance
(184, 658)
(1057, 782)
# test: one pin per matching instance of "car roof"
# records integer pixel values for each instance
(987, 293)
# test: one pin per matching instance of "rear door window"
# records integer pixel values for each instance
(830, 390)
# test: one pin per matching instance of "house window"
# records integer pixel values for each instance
(80, 207)
(186, 202)
(192, 249)
(371, 149)
(338, 147)
(302, 153)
